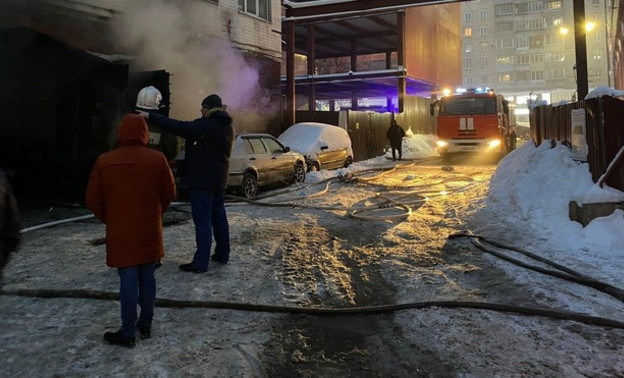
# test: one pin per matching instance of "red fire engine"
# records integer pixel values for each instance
(474, 121)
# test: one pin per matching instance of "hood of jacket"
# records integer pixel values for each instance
(132, 131)
(218, 112)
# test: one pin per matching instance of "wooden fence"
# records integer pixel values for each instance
(604, 125)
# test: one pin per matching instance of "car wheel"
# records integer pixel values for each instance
(348, 162)
(249, 186)
(299, 173)
(313, 167)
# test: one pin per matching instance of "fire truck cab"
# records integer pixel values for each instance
(475, 120)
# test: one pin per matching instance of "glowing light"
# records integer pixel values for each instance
(494, 143)
(589, 26)
(443, 193)
(442, 143)
(563, 30)
(446, 91)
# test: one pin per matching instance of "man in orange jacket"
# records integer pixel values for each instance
(129, 190)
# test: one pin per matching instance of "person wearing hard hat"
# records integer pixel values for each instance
(148, 100)
(208, 147)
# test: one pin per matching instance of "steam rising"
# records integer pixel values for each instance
(168, 36)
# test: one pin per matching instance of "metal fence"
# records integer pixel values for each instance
(604, 132)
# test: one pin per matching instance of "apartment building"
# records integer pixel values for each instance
(525, 49)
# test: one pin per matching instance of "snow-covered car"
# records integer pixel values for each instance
(324, 146)
(259, 160)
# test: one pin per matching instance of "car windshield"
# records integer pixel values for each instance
(467, 105)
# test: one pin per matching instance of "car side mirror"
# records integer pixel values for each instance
(324, 147)
(286, 149)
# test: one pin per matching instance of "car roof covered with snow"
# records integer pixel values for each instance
(308, 137)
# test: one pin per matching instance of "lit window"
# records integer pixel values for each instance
(468, 32)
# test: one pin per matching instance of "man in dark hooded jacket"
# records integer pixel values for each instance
(208, 147)
(129, 190)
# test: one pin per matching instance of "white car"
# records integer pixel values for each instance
(324, 146)
(260, 160)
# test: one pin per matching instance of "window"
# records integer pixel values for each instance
(555, 73)
(501, 60)
(504, 78)
(259, 8)
(522, 42)
(504, 43)
(482, 14)
(537, 75)
(468, 81)
(503, 9)
(468, 32)
(555, 57)
(483, 30)
(468, 47)
(484, 46)
(536, 6)
(468, 64)
(553, 4)
(537, 41)
(467, 16)
(257, 146)
(273, 145)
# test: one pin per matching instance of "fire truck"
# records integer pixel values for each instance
(475, 120)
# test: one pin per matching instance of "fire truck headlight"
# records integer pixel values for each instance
(442, 143)
(494, 143)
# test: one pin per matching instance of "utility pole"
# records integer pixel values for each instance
(580, 42)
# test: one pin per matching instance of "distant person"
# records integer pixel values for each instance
(208, 147)
(129, 190)
(10, 236)
(395, 134)
(511, 139)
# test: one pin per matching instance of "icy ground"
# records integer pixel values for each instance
(330, 247)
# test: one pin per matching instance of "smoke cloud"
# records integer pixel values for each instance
(170, 36)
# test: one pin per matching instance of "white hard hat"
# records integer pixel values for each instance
(149, 98)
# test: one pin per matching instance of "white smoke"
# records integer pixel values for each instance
(170, 36)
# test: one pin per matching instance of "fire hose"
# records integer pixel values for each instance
(477, 240)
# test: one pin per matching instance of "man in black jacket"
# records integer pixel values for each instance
(10, 236)
(208, 147)
(396, 133)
